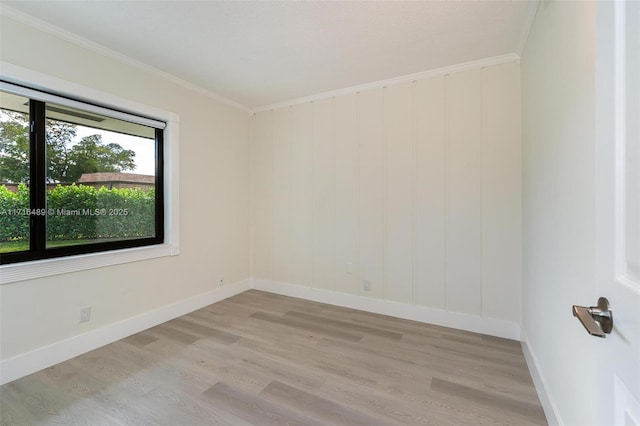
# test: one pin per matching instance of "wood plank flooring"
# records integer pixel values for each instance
(264, 359)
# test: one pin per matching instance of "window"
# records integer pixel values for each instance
(76, 178)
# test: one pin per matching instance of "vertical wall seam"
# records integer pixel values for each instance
(445, 183)
(358, 269)
(291, 179)
(384, 195)
(414, 172)
(251, 195)
(482, 142)
(334, 285)
(313, 201)
(272, 193)
(354, 252)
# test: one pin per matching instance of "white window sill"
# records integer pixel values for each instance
(44, 268)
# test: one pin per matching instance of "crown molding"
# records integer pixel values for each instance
(41, 25)
(46, 27)
(452, 69)
(532, 10)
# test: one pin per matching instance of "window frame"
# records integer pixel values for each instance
(67, 260)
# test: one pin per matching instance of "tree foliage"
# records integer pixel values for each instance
(14, 148)
(14, 227)
(66, 160)
(59, 139)
(91, 155)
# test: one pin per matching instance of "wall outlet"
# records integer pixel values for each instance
(366, 285)
(221, 280)
(85, 314)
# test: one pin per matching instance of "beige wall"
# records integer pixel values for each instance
(214, 203)
(558, 127)
(414, 187)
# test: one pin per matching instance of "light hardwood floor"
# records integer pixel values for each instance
(259, 358)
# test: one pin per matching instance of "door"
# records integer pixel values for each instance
(618, 207)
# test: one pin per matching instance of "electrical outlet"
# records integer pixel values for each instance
(221, 280)
(85, 314)
(366, 285)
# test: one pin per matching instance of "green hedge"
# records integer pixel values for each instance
(13, 226)
(79, 212)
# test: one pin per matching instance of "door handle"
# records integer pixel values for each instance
(597, 320)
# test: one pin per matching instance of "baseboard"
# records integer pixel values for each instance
(549, 407)
(491, 326)
(38, 359)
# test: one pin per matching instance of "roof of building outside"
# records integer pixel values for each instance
(116, 177)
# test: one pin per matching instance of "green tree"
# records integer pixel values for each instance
(14, 147)
(90, 155)
(59, 141)
(66, 161)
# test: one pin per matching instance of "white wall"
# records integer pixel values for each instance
(558, 109)
(214, 204)
(414, 187)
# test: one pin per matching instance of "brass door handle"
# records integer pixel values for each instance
(597, 320)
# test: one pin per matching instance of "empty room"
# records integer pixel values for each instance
(320, 212)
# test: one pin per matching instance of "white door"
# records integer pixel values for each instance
(618, 207)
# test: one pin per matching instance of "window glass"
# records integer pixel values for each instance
(14, 173)
(100, 178)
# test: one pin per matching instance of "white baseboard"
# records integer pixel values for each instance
(38, 359)
(46, 356)
(492, 326)
(549, 407)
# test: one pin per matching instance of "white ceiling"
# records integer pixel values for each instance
(259, 53)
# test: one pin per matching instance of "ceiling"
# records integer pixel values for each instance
(259, 53)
